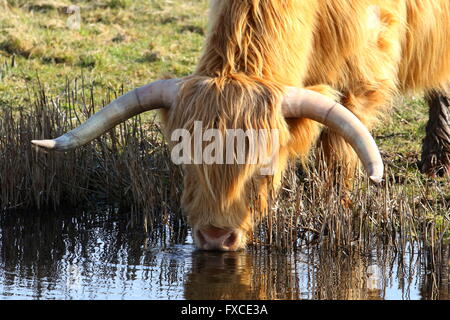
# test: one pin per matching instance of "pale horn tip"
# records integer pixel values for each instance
(376, 172)
(376, 179)
(47, 144)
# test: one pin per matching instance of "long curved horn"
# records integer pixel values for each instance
(155, 95)
(303, 103)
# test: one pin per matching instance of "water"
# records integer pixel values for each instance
(95, 256)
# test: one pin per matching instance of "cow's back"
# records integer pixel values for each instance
(426, 49)
(395, 44)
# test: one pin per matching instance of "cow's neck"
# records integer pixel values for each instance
(268, 39)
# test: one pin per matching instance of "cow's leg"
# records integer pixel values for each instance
(436, 145)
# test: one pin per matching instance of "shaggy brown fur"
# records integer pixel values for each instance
(361, 52)
(214, 193)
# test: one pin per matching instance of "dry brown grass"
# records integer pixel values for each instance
(127, 168)
(313, 208)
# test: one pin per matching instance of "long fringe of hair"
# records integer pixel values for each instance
(222, 103)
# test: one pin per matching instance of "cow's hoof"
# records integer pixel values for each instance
(435, 169)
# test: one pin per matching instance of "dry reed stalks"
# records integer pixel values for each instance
(129, 167)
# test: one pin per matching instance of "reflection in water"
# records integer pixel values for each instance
(242, 275)
(93, 256)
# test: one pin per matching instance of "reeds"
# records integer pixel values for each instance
(130, 168)
(314, 208)
(127, 168)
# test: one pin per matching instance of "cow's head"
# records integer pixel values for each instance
(218, 195)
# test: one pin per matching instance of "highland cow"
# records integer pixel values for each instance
(317, 71)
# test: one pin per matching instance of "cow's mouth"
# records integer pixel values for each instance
(212, 238)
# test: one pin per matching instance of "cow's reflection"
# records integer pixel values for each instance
(265, 275)
(221, 275)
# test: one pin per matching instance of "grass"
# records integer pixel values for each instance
(119, 42)
(53, 77)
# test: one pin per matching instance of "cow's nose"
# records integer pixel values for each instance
(212, 238)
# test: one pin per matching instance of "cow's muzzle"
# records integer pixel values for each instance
(212, 238)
